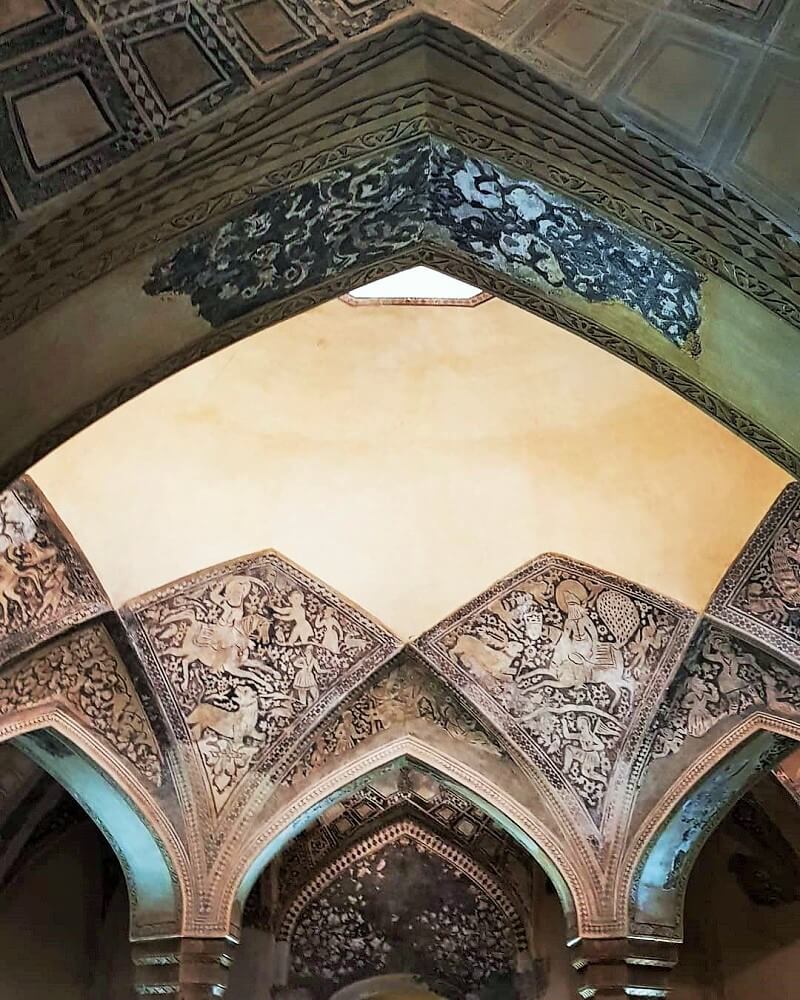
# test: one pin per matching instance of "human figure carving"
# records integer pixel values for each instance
(302, 633)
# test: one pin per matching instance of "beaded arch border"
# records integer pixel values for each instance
(391, 834)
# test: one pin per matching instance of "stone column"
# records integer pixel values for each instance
(182, 968)
(621, 968)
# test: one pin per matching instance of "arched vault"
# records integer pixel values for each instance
(469, 162)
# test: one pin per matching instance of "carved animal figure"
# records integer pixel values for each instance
(234, 724)
(487, 654)
(11, 576)
(579, 655)
(786, 569)
(222, 648)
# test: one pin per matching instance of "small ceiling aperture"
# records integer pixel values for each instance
(417, 286)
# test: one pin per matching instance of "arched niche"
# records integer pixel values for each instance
(141, 837)
(575, 890)
(392, 833)
(455, 109)
(407, 867)
(663, 852)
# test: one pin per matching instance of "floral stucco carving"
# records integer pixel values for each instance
(435, 191)
(760, 594)
(405, 692)
(251, 655)
(570, 660)
(84, 673)
(45, 584)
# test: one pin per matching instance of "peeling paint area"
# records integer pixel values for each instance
(293, 239)
(517, 227)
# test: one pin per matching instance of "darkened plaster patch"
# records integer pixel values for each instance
(403, 910)
(519, 228)
(293, 239)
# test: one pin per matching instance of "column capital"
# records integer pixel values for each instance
(182, 968)
(620, 968)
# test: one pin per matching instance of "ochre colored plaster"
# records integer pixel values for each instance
(410, 456)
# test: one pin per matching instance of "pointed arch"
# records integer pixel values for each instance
(662, 853)
(712, 247)
(576, 887)
(389, 834)
(149, 850)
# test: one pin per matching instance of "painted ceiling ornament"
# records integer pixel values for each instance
(434, 192)
(406, 793)
(760, 594)
(569, 661)
(45, 584)
(722, 677)
(253, 653)
(84, 673)
(405, 904)
(406, 691)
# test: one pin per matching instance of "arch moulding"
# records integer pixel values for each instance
(576, 887)
(390, 834)
(461, 124)
(150, 851)
(737, 758)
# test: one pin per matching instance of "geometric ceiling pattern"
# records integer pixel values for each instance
(128, 74)
(564, 713)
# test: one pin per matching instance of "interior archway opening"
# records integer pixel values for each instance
(742, 906)
(403, 888)
(64, 906)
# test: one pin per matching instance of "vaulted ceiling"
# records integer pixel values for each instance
(90, 83)
(410, 456)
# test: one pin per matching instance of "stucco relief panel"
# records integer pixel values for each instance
(296, 237)
(83, 673)
(403, 693)
(252, 655)
(760, 594)
(45, 585)
(720, 678)
(572, 661)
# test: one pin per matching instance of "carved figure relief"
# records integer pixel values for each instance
(83, 671)
(403, 907)
(405, 692)
(44, 585)
(252, 653)
(761, 592)
(721, 677)
(564, 654)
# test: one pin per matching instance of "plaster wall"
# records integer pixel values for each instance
(410, 456)
(54, 940)
(734, 949)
